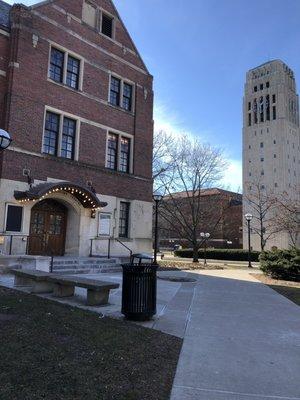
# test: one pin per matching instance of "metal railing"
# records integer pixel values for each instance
(108, 246)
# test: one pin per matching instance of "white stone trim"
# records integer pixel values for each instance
(123, 80)
(77, 137)
(16, 204)
(99, 48)
(131, 158)
(67, 53)
(4, 33)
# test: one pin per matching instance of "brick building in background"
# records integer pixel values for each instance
(77, 99)
(221, 216)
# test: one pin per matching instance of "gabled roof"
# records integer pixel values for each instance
(4, 14)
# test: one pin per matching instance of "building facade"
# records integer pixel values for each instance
(77, 99)
(271, 146)
(220, 214)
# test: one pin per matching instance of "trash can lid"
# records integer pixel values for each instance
(142, 256)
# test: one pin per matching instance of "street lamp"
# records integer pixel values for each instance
(157, 198)
(205, 236)
(248, 218)
(5, 139)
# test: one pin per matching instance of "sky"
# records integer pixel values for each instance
(199, 52)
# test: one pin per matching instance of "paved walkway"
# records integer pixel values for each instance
(242, 342)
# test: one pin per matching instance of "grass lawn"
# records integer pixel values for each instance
(52, 351)
(291, 290)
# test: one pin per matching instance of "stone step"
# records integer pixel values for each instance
(87, 270)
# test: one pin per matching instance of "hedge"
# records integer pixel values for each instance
(220, 254)
(281, 264)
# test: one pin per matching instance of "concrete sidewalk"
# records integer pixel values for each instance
(242, 342)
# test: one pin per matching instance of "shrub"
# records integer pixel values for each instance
(220, 254)
(281, 264)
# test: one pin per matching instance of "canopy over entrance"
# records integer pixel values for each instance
(84, 195)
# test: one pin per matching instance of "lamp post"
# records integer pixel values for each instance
(205, 236)
(157, 198)
(5, 139)
(248, 218)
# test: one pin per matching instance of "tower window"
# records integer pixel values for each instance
(268, 108)
(274, 112)
(274, 98)
(249, 119)
(261, 145)
(249, 106)
(255, 88)
(262, 159)
(107, 25)
(261, 109)
(276, 185)
(267, 84)
(262, 173)
(255, 111)
(261, 86)
(275, 156)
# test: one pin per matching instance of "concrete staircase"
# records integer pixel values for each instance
(85, 265)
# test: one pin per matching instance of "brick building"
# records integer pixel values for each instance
(77, 99)
(221, 216)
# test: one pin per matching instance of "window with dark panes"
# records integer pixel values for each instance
(249, 119)
(124, 155)
(124, 219)
(127, 97)
(274, 112)
(14, 218)
(107, 25)
(68, 138)
(73, 71)
(274, 98)
(112, 151)
(51, 133)
(268, 107)
(115, 86)
(57, 65)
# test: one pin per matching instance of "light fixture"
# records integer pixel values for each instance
(248, 217)
(5, 139)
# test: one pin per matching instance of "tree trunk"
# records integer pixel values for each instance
(195, 253)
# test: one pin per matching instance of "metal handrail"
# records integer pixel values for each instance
(126, 247)
(108, 246)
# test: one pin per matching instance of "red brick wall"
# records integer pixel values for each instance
(30, 92)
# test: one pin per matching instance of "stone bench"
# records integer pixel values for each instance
(37, 280)
(64, 286)
(97, 291)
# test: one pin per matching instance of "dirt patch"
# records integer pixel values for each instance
(288, 289)
(57, 352)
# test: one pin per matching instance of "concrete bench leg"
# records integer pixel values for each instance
(63, 290)
(22, 281)
(42, 287)
(96, 298)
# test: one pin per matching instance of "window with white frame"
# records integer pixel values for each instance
(60, 135)
(65, 68)
(14, 217)
(104, 224)
(121, 93)
(118, 155)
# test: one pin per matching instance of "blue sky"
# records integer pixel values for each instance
(199, 52)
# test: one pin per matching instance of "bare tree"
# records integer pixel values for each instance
(287, 215)
(161, 163)
(261, 205)
(193, 168)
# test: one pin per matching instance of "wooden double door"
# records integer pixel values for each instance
(48, 229)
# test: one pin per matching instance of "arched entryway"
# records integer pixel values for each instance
(48, 224)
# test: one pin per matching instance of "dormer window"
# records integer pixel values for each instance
(107, 25)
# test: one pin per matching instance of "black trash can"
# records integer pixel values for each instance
(139, 291)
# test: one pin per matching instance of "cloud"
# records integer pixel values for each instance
(233, 176)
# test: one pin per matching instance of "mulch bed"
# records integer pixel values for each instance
(56, 352)
(289, 289)
(185, 266)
